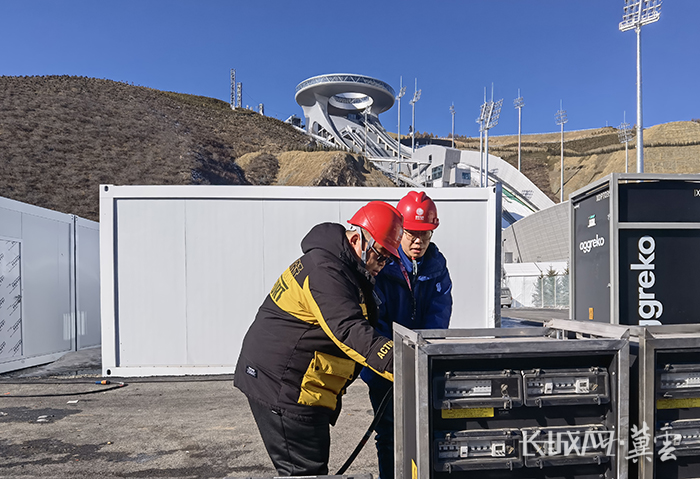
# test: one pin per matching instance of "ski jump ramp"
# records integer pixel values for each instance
(343, 110)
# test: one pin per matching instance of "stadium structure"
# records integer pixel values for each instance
(342, 110)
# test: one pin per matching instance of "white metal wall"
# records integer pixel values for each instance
(185, 268)
(52, 260)
(87, 278)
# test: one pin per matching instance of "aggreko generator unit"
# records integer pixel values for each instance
(634, 243)
(510, 403)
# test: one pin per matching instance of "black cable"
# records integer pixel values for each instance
(145, 380)
(176, 379)
(95, 391)
(380, 411)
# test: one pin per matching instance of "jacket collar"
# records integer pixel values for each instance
(429, 265)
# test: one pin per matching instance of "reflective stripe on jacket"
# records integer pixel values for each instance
(314, 331)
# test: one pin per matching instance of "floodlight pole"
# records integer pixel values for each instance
(480, 121)
(233, 89)
(637, 13)
(560, 119)
(561, 182)
(416, 97)
(481, 156)
(627, 157)
(519, 104)
(640, 143)
(402, 92)
(486, 141)
(625, 135)
(452, 110)
(485, 173)
(491, 114)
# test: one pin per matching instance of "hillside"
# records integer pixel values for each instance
(60, 137)
(592, 154)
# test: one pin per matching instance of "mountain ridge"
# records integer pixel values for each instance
(63, 136)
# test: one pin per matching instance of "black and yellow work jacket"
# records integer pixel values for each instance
(314, 331)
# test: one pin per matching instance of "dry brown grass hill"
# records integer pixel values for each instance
(591, 154)
(60, 137)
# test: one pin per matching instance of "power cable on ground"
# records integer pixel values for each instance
(81, 393)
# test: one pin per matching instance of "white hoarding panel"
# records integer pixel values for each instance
(87, 236)
(185, 269)
(220, 237)
(463, 241)
(286, 222)
(10, 300)
(151, 295)
(10, 220)
(47, 298)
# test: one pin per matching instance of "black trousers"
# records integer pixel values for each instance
(296, 448)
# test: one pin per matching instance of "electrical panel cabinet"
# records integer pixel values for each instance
(510, 403)
(668, 372)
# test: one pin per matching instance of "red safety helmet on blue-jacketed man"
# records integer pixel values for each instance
(383, 222)
(419, 212)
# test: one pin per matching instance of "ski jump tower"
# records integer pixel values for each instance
(343, 109)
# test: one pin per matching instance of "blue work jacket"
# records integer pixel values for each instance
(427, 304)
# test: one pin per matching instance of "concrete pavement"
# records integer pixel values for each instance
(157, 427)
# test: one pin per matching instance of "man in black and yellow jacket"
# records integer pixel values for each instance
(313, 334)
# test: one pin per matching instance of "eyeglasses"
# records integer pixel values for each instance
(380, 257)
(423, 235)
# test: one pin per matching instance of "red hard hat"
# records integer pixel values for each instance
(419, 212)
(383, 222)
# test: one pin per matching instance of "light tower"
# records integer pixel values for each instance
(402, 92)
(519, 104)
(637, 13)
(488, 118)
(233, 88)
(452, 110)
(561, 118)
(416, 97)
(483, 113)
(491, 121)
(624, 133)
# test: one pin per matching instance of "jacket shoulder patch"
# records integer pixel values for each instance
(296, 267)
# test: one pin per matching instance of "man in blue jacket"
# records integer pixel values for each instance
(415, 291)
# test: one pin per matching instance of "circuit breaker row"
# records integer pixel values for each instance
(535, 447)
(513, 388)
(678, 387)
(457, 392)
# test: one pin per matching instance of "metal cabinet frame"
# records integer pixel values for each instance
(414, 349)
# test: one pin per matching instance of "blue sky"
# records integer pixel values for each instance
(551, 50)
